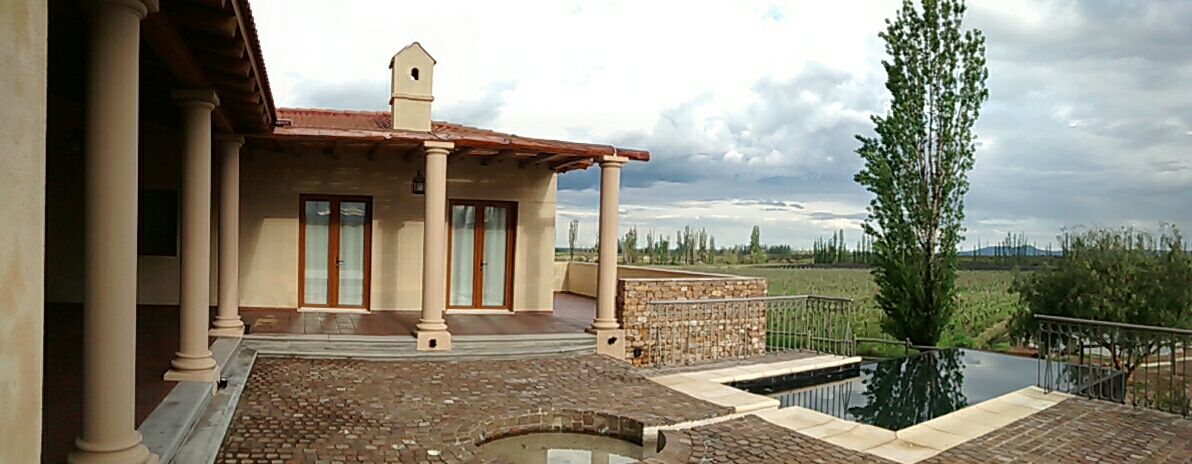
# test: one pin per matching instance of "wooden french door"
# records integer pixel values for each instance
(480, 247)
(334, 251)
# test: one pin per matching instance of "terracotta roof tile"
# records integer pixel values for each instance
(333, 123)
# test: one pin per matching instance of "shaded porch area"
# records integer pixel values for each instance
(572, 314)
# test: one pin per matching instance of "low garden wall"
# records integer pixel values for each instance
(712, 331)
(638, 286)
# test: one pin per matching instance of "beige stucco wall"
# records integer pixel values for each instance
(271, 183)
(23, 29)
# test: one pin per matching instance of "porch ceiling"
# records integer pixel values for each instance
(213, 44)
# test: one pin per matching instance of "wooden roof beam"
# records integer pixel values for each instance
(501, 156)
(458, 154)
(257, 66)
(168, 45)
(376, 150)
(214, 21)
(557, 165)
(539, 159)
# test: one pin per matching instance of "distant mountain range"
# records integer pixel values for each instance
(1027, 250)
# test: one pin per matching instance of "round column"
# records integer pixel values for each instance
(110, 236)
(432, 329)
(606, 286)
(193, 361)
(227, 319)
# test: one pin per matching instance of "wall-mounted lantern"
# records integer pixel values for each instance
(419, 186)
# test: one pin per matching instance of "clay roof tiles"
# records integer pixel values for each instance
(333, 123)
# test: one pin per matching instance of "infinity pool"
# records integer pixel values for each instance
(901, 392)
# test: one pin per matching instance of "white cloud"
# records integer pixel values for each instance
(759, 99)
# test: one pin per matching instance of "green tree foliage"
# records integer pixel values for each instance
(757, 254)
(1120, 275)
(629, 246)
(917, 165)
(572, 236)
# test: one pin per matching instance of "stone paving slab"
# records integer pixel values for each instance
(709, 384)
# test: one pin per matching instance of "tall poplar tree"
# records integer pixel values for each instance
(572, 236)
(917, 165)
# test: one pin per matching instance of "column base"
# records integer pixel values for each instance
(235, 331)
(434, 341)
(185, 368)
(204, 376)
(600, 324)
(138, 454)
(610, 342)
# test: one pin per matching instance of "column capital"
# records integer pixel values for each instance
(229, 139)
(142, 8)
(613, 161)
(199, 97)
(437, 147)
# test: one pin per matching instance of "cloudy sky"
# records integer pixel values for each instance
(750, 108)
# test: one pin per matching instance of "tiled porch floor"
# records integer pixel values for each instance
(572, 314)
(157, 340)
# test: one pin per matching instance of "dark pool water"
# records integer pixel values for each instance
(901, 392)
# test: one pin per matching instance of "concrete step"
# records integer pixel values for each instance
(404, 347)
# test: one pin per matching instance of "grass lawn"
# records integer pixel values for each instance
(985, 300)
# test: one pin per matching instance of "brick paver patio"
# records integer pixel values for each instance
(1075, 431)
(324, 410)
(337, 410)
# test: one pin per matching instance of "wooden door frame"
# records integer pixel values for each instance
(333, 249)
(478, 254)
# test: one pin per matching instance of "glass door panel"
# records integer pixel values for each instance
(481, 254)
(463, 254)
(335, 235)
(353, 216)
(316, 274)
(494, 265)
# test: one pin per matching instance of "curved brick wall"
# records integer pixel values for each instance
(675, 446)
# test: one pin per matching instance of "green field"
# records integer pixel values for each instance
(985, 299)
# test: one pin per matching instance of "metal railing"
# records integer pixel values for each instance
(1143, 366)
(691, 331)
(815, 323)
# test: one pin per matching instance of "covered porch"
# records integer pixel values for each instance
(572, 314)
(172, 202)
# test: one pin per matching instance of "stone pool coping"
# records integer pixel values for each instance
(709, 385)
(922, 440)
(907, 446)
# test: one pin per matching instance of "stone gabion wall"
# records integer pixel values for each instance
(712, 332)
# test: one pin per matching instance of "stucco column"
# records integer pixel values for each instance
(227, 320)
(432, 329)
(110, 236)
(193, 361)
(606, 284)
(609, 336)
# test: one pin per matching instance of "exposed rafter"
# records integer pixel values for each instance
(541, 158)
(557, 165)
(458, 154)
(501, 156)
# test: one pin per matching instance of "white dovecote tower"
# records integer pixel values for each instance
(410, 92)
